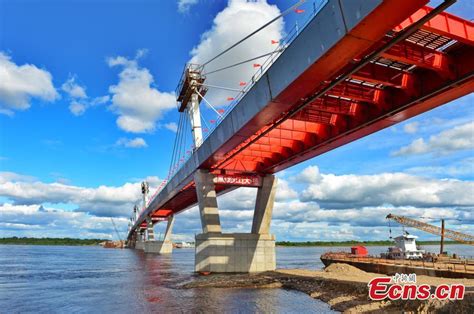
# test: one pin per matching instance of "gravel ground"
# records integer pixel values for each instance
(342, 286)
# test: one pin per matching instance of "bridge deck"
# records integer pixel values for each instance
(285, 118)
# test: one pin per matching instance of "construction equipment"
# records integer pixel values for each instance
(116, 231)
(444, 233)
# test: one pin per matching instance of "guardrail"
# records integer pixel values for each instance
(283, 44)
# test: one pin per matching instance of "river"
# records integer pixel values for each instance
(59, 279)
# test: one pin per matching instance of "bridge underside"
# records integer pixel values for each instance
(431, 67)
(371, 71)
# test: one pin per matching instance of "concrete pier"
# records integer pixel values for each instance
(234, 252)
(158, 247)
(139, 245)
(161, 247)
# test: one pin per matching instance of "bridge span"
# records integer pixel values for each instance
(357, 66)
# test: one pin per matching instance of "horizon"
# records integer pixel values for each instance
(90, 113)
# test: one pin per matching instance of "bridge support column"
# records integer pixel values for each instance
(207, 200)
(164, 246)
(262, 216)
(140, 243)
(150, 234)
(234, 252)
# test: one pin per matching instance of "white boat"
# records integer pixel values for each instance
(405, 248)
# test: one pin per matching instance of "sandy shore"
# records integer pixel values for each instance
(342, 286)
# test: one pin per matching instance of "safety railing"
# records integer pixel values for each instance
(283, 44)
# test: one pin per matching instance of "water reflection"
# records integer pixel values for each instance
(94, 280)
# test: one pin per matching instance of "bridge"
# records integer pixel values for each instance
(356, 67)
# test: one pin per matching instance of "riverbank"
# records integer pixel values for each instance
(352, 243)
(50, 241)
(342, 286)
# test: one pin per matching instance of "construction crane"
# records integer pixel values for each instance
(444, 233)
(116, 231)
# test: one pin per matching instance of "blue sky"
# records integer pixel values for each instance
(80, 162)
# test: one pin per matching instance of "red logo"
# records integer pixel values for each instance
(403, 286)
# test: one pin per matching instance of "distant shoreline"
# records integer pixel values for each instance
(93, 242)
(51, 241)
(352, 243)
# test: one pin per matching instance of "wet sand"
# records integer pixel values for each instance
(343, 287)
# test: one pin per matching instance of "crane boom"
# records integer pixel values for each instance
(451, 234)
(116, 231)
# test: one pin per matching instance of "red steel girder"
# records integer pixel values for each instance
(445, 24)
(162, 213)
(332, 105)
(414, 54)
(359, 92)
(378, 74)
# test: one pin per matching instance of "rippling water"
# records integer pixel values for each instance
(95, 280)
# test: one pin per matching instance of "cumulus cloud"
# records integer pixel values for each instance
(460, 137)
(73, 89)
(185, 5)
(236, 21)
(172, 126)
(135, 99)
(77, 108)
(20, 83)
(411, 127)
(39, 221)
(398, 189)
(80, 102)
(136, 142)
(330, 207)
(461, 168)
(115, 201)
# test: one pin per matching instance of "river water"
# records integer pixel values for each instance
(59, 279)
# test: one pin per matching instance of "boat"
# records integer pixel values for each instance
(180, 245)
(405, 248)
(404, 257)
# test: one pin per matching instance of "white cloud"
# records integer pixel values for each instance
(138, 104)
(331, 206)
(460, 137)
(137, 142)
(236, 21)
(104, 200)
(411, 127)
(310, 174)
(80, 102)
(398, 189)
(38, 221)
(73, 89)
(185, 5)
(18, 84)
(455, 169)
(77, 108)
(172, 126)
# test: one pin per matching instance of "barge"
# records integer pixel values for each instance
(404, 258)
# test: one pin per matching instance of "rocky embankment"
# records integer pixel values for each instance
(342, 286)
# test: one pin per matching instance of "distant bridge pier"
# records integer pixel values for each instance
(234, 252)
(140, 240)
(164, 246)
